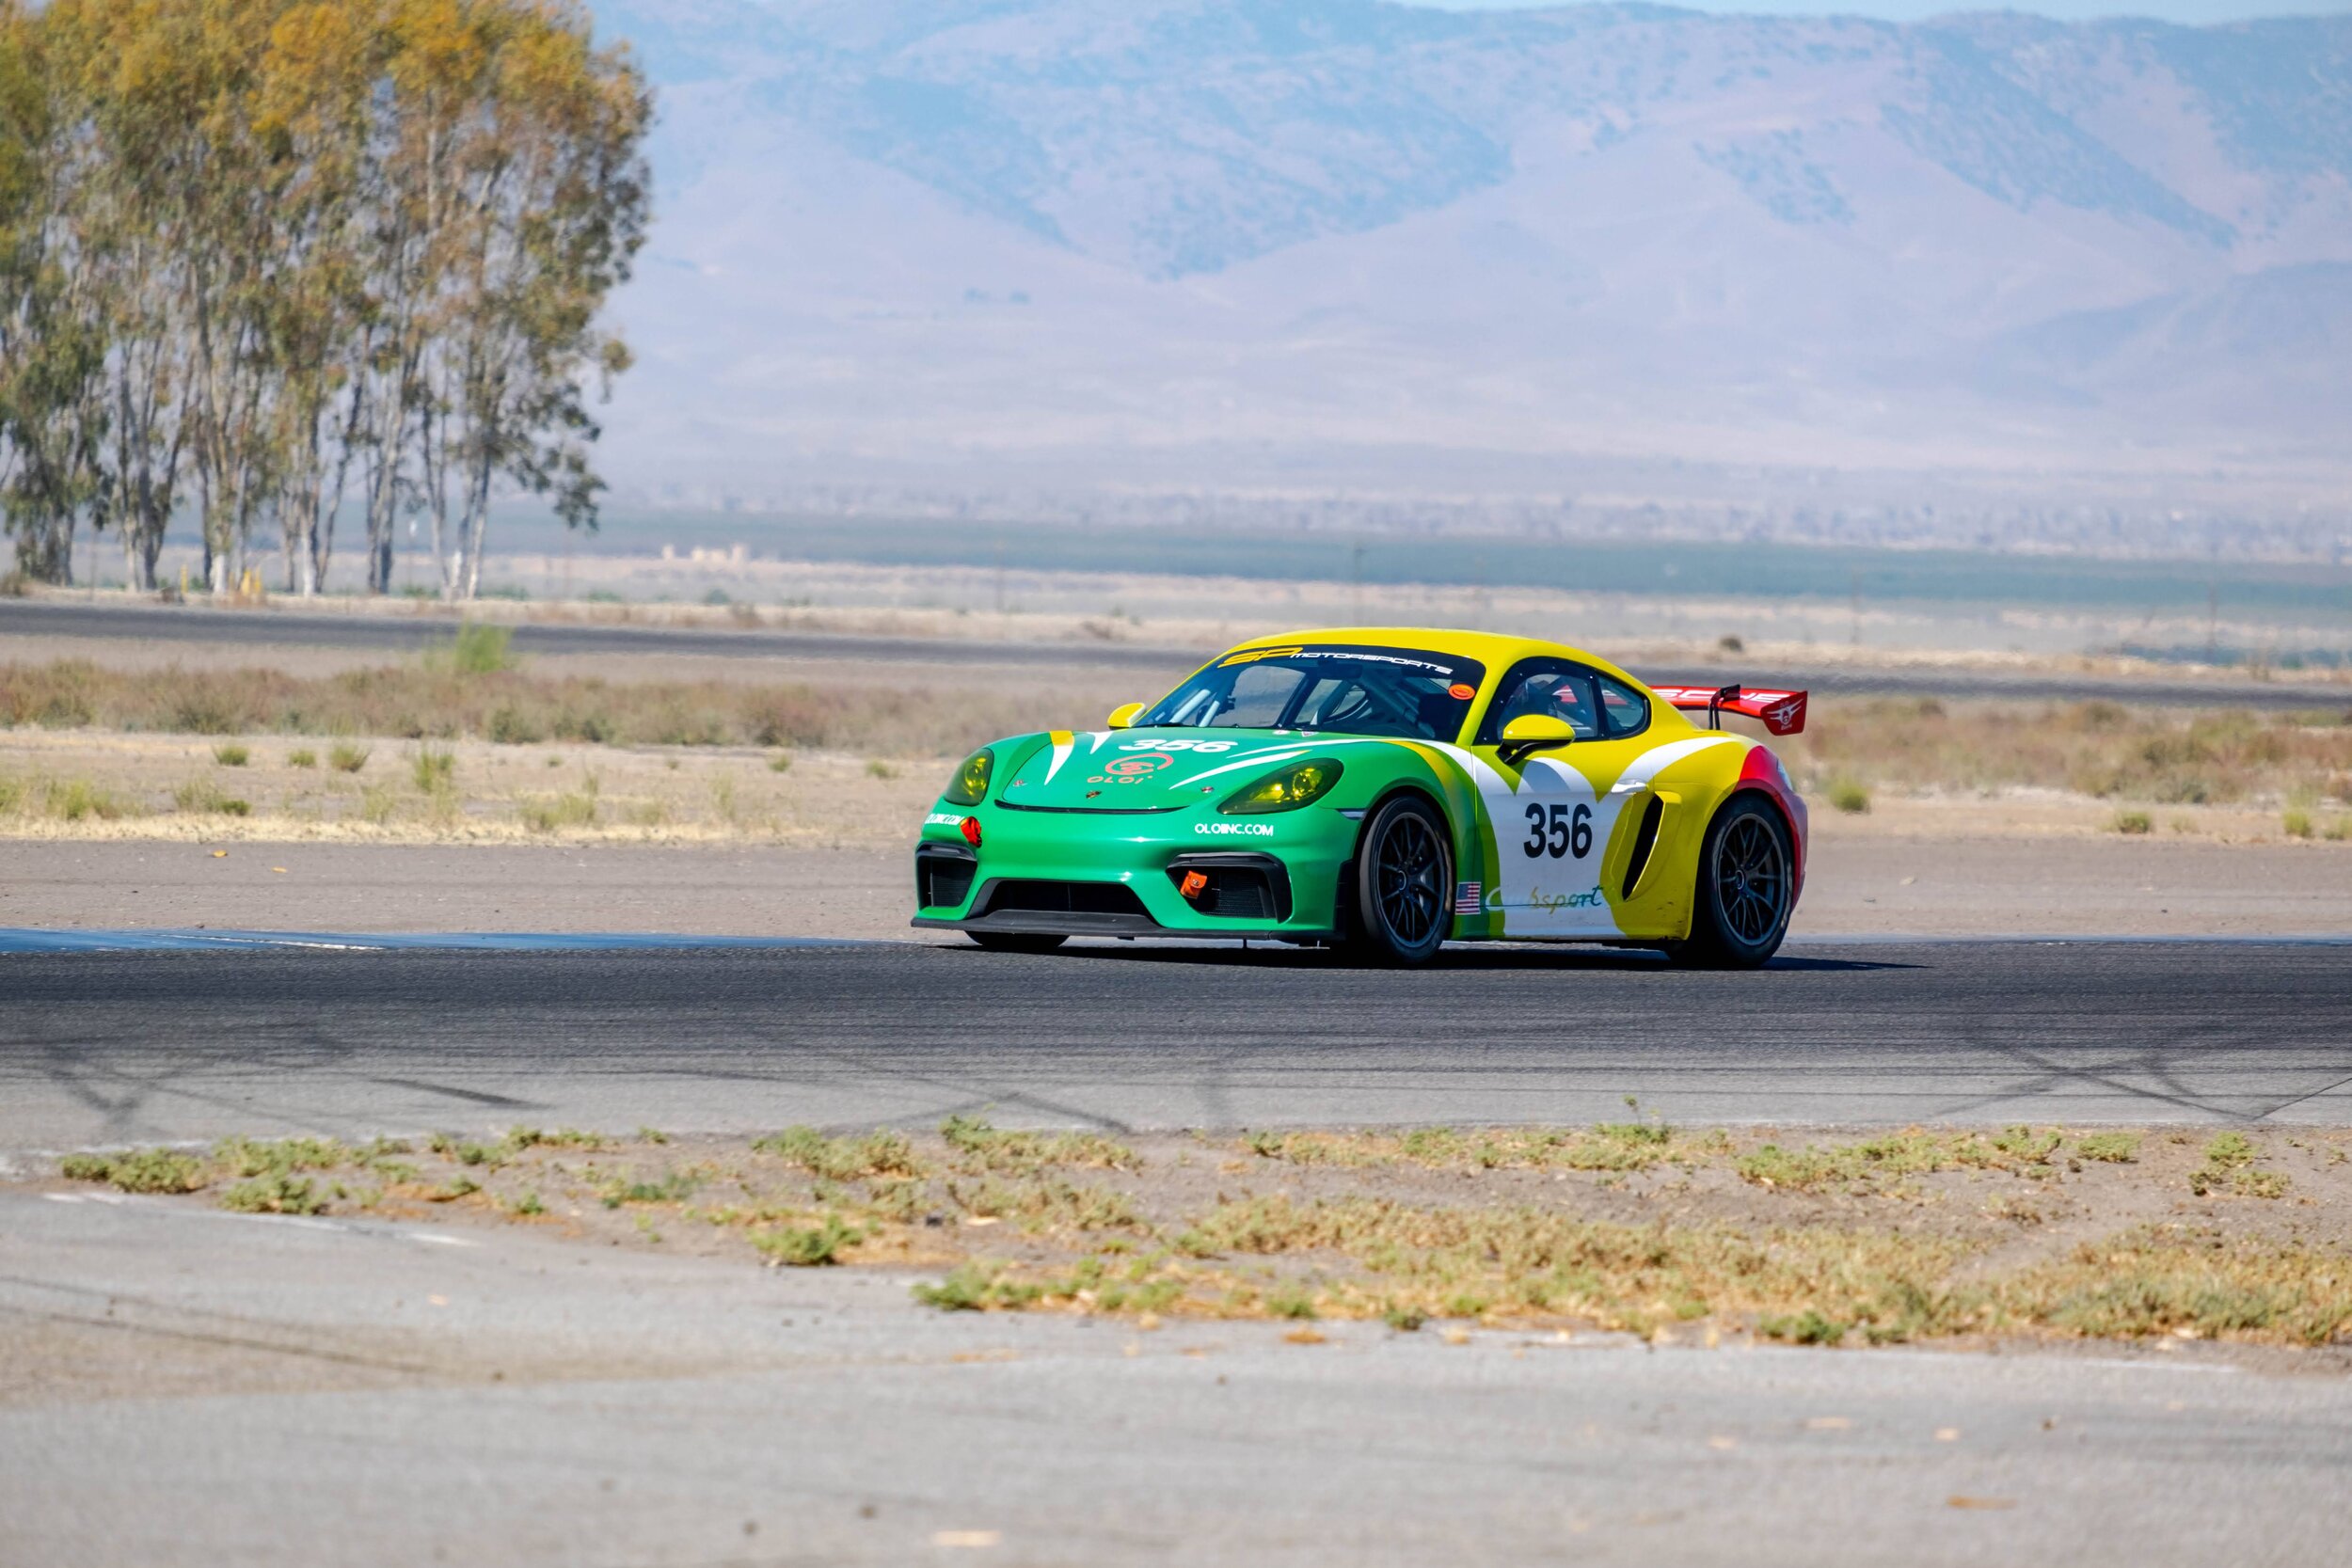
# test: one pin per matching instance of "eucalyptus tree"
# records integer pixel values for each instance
(52, 344)
(250, 246)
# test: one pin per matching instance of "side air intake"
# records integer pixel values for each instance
(1645, 840)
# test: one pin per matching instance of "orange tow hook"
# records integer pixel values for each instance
(1193, 885)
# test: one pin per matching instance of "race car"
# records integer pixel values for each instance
(1386, 790)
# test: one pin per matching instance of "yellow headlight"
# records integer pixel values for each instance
(1287, 788)
(971, 782)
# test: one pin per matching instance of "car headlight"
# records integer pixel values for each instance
(1287, 788)
(970, 785)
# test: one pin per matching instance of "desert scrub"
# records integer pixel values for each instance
(203, 797)
(281, 1157)
(552, 814)
(230, 754)
(344, 758)
(1049, 1205)
(1871, 1165)
(2115, 1147)
(670, 1187)
(414, 702)
(434, 772)
(277, 1193)
(1850, 796)
(2156, 755)
(302, 756)
(1605, 1147)
(2169, 1280)
(477, 649)
(140, 1171)
(977, 1147)
(807, 1246)
(72, 800)
(846, 1158)
(2229, 1168)
(1515, 1261)
(2133, 822)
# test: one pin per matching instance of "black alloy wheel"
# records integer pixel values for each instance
(1746, 888)
(1404, 885)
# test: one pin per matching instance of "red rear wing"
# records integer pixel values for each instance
(1783, 712)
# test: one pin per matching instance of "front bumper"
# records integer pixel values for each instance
(1119, 873)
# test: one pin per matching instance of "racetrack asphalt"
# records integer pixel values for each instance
(111, 1047)
(194, 623)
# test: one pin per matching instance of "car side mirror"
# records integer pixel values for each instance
(1124, 715)
(1529, 732)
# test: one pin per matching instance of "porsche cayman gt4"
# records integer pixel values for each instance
(1387, 791)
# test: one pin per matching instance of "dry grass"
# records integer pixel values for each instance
(2099, 749)
(1902, 1236)
(484, 699)
(1607, 1145)
(104, 786)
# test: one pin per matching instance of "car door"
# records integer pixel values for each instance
(1563, 826)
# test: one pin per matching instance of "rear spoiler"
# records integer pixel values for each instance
(1783, 712)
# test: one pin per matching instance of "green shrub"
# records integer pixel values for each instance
(72, 800)
(548, 813)
(2115, 1147)
(204, 798)
(2133, 822)
(230, 754)
(1849, 796)
(275, 1193)
(476, 650)
(883, 1153)
(302, 756)
(344, 758)
(138, 1170)
(435, 772)
(511, 726)
(798, 1247)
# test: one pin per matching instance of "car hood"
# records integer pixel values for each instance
(1157, 769)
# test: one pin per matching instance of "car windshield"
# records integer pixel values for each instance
(1406, 692)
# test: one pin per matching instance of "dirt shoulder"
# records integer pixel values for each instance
(1808, 1236)
(1873, 881)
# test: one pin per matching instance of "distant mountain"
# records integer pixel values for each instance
(1330, 243)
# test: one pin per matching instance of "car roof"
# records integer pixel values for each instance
(1496, 651)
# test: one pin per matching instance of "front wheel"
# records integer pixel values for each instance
(1404, 872)
(1746, 889)
(1017, 942)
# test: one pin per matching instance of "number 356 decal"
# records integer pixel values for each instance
(1554, 829)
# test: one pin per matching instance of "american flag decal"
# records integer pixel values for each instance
(1466, 898)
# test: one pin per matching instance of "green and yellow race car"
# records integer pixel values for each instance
(1386, 790)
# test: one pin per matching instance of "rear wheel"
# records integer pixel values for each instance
(1746, 889)
(1017, 942)
(1404, 873)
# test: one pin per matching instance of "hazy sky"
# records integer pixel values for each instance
(1910, 10)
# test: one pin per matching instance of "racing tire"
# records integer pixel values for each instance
(1404, 879)
(1745, 892)
(1017, 942)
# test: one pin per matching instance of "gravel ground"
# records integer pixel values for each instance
(1868, 877)
(327, 1393)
